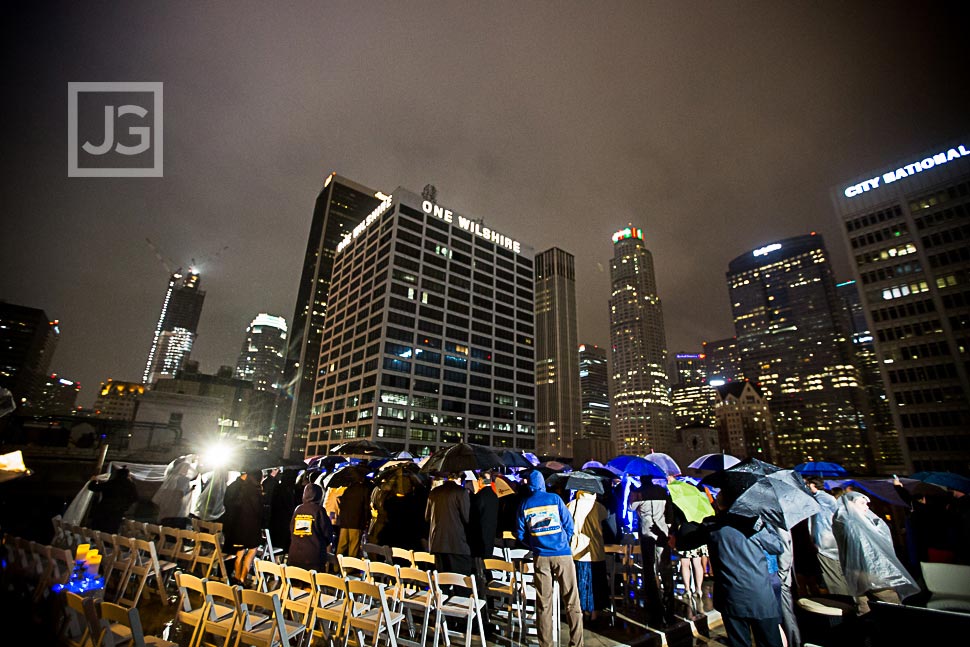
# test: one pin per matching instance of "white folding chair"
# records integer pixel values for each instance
(262, 623)
(329, 608)
(369, 614)
(122, 627)
(353, 568)
(416, 594)
(450, 605)
(300, 589)
(190, 612)
(502, 586)
(221, 612)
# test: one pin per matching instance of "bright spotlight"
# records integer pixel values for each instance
(217, 455)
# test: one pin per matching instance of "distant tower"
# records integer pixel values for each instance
(596, 441)
(177, 326)
(27, 342)
(557, 360)
(261, 358)
(642, 416)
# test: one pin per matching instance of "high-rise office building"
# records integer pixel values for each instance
(261, 358)
(340, 207)
(596, 440)
(723, 360)
(429, 335)
(118, 400)
(642, 416)
(27, 343)
(793, 337)
(883, 436)
(691, 397)
(56, 396)
(177, 326)
(558, 400)
(906, 228)
(689, 369)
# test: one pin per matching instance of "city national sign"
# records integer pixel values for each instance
(924, 164)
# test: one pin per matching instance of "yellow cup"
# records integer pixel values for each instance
(82, 551)
(93, 565)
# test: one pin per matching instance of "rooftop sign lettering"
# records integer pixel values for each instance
(767, 249)
(907, 171)
(365, 223)
(471, 226)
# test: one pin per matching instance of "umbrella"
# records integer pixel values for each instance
(514, 459)
(621, 461)
(401, 478)
(780, 498)
(395, 463)
(642, 467)
(402, 455)
(361, 447)
(556, 466)
(691, 501)
(820, 468)
(502, 486)
(668, 464)
(754, 466)
(602, 472)
(585, 482)
(346, 476)
(461, 457)
(945, 479)
(714, 462)
(328, 463)
(532, 458)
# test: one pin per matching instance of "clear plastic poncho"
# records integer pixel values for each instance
(866, 550)
(210, 502)
(174, 497)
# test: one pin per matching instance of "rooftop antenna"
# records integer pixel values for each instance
(430, 193)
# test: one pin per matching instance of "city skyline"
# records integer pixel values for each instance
(730, 144)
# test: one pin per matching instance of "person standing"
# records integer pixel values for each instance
(173, 497)
(820, 526)
(243, 520)
(651, 504)
(589, 555)
(117, 495)
(448, 511)
(309, 531)
(546, 527)
(354, 506)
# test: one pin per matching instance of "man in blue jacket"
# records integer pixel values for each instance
(546, 527)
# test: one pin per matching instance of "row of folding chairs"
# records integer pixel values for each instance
(89, 623)
(32, 568)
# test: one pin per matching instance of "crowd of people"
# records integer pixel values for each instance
(460, 518)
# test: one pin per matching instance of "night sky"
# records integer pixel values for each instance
(716, 127)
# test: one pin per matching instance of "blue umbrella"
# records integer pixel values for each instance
(621, 461)
(642, 467)
(820, 468)
(714, 462)
(945, 479)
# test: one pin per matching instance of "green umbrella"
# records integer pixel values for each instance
(691, 501)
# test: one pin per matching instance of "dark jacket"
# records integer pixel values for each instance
(242, 522)
(448, 511)
(483, 523)
(355, 507)
(309, 531)
(544, 524)
(117, 495)
(742, 587)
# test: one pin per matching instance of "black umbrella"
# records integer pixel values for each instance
(585, 482)
(346, 476)
(754, 466)
(737, 479)
(328, 463)
(780, 498)
(602, 472)
(462, 457)
(514, 459)
(361, 448)
(401, 478)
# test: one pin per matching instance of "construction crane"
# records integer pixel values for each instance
(168, 264)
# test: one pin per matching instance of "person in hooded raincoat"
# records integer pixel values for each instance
(309, 531)
(243, 520)
(174, 497)
(210, 504)
(117, 495)
(867, 556)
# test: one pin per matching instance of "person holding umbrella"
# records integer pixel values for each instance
(652, 505)
(448, 511)
(587, 547)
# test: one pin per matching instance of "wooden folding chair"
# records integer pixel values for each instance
(369, 614)
(262, 623)
(208, 557)
(353, 568)
(376, 552)
(469, 607)
(46, 568)
(329, 608)
(503, 588)
(300, 590)
(402, 557)
(80, 626)
(185, 557)
(390, 576)
(416, 594)
(269, 577)
(221, 612)
(423, 560)
(116, 576)
(190, 612)
(144, 566)
(122, 627)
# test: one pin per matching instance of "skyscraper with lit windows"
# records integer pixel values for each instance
(642, 415)
(596, 441)
(177, 326)
(429, 336)
(557, 361)
(261, 357)
(793, 337)
(907, 230)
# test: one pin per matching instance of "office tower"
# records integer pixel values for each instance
(118, 400)
(723, 360)
(690, 396)
(642, 417)
(429, 337)
(883, 436)
(340, 207)
(794, 342)
(27, 342)
(56, 396)
(596, 440)
(177, 326)
(689, 369)
(558, 399)
(906, 229)
(261, 358)
(744, 422)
